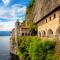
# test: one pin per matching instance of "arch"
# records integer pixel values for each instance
(25, 34)
(28, 34)
(22, 34)
(50, 33)
(39, 33)
(43, 34)
(58, 31)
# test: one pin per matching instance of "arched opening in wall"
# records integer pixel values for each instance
(43, 34)
(40, 34)
(26, 34)
(58, 31)
(50, 33)
(22, 34)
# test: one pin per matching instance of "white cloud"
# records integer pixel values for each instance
(22, 9)
(11, 14)
(7, 26)
(6, 2)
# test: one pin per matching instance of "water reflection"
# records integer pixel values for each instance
(14, 57)
(5, 49)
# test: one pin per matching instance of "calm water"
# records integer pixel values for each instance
(5, 48)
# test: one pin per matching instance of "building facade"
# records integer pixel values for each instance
(47, 17)
(13, 34)
(21, 30)
(18, 31)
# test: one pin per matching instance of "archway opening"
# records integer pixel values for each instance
(58, 31)
(22, 34)
(50, 33)
(43, 34)
(40, 34)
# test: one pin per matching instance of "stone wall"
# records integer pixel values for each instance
(57, 49)
(44, 7)
(50, 23)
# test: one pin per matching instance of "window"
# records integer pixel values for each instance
(22, 34)
(54, 15)
(50, 17)
(42, 21)
(46, 20)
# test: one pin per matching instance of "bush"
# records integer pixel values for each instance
(24, 43)
(34, 48)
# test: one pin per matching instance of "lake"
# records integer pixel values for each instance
(5, 48)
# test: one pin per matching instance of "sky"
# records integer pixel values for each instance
(10, 11)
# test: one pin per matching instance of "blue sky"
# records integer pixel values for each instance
(10, 11)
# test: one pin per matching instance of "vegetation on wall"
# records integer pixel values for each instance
(29, 12)
(29, 18)
(34, 48)
(33, 29)
(30, 7)
(28, 22)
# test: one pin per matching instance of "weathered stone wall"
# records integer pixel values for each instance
(44, 7)
(52, 24)
(57, 49)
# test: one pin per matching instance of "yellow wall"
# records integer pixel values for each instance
(53, 24)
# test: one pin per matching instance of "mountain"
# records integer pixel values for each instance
(5, 33)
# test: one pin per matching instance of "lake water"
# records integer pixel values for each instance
(5, 48)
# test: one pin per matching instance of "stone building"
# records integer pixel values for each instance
(18, 31)
(21, 30)
(47, 17)
(13, 42)
(13, 34)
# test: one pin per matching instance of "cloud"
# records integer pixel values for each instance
(8, 16)
(13, 13)
(6, 2)
(7, 26)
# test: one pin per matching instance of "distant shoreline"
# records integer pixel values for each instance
(5, 35)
